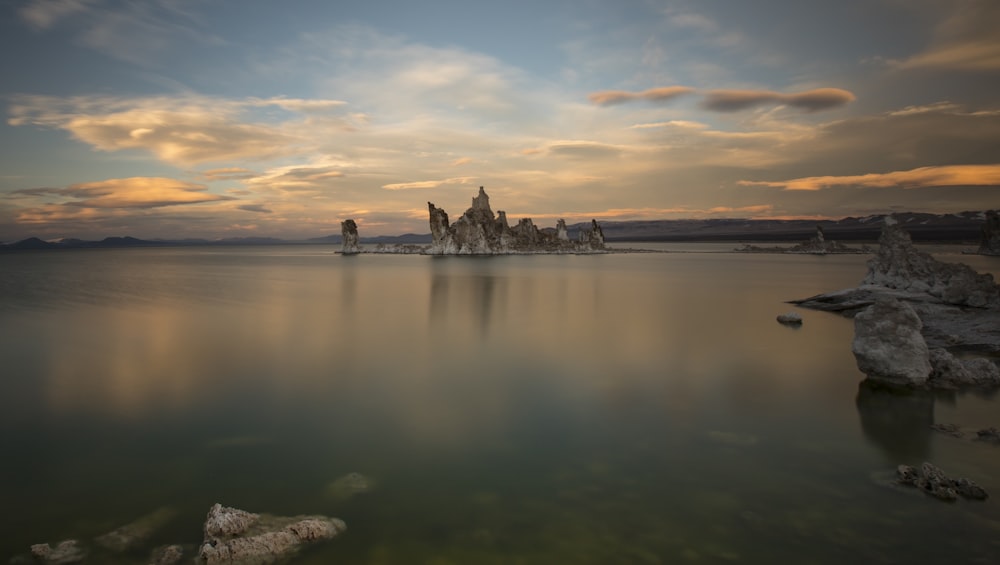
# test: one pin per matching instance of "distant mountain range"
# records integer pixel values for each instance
(964, 227)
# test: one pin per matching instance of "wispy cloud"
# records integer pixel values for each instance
(659, 94)
(950, 175)
(810, 100)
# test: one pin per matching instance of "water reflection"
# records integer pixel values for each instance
(467, 296)
(897, 422)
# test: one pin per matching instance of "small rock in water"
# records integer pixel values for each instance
(933, 482)
(950, 429)
(790, 319)
(989, 434)
(63, 553)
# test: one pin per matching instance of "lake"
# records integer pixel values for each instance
(624, 408)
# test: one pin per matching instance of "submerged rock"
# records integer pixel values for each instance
(237, 536)
(167, 555)
(888, 346)
(947, 371)
(934, 482)
(349, 233)
(479, 232)
(134, 534)
(63, 553)
(349, 485)
(991, 435)
(990, 242)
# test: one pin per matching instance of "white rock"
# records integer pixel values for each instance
(888, 346)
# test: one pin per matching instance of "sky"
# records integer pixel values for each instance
(245, 118)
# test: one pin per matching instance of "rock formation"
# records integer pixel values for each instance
(899, 265)
(990, 242)
(479, 232)
(933, 482)
(237, 536)
(349, 231)
(888, 346)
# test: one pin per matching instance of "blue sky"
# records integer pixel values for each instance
(220, 118)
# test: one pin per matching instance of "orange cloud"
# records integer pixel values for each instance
(949, 175)
(660, 94)
(809, 100)
(461, 161)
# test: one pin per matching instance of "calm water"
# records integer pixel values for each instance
(641, 408)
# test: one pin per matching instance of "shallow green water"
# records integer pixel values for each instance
(546, 409)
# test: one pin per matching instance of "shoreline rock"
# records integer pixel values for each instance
(816, 245)
(989, 244)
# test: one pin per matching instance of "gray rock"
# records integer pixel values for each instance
(790, 319)
(349, 233)
(63, 553)
(134, 534)
(934, 482)
(236, 536)
(990, 242)
(888, 346)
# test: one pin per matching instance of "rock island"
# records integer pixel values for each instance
(481, 232)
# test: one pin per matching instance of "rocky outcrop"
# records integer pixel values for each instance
(989, 244)
(934, 482)
(888, 346)
(237, 536)
(899, 265)
(479, 232)
(349, 233)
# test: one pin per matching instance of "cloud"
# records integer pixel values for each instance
(139, 192)
(966, 40)
(683, 124)
(228, 173)
(809, 100)
(461, 161)
(584, 149)
(255, 208)
(949, 175)
(428, 183)
(183, 130)
(659, 94)
(292, 178)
